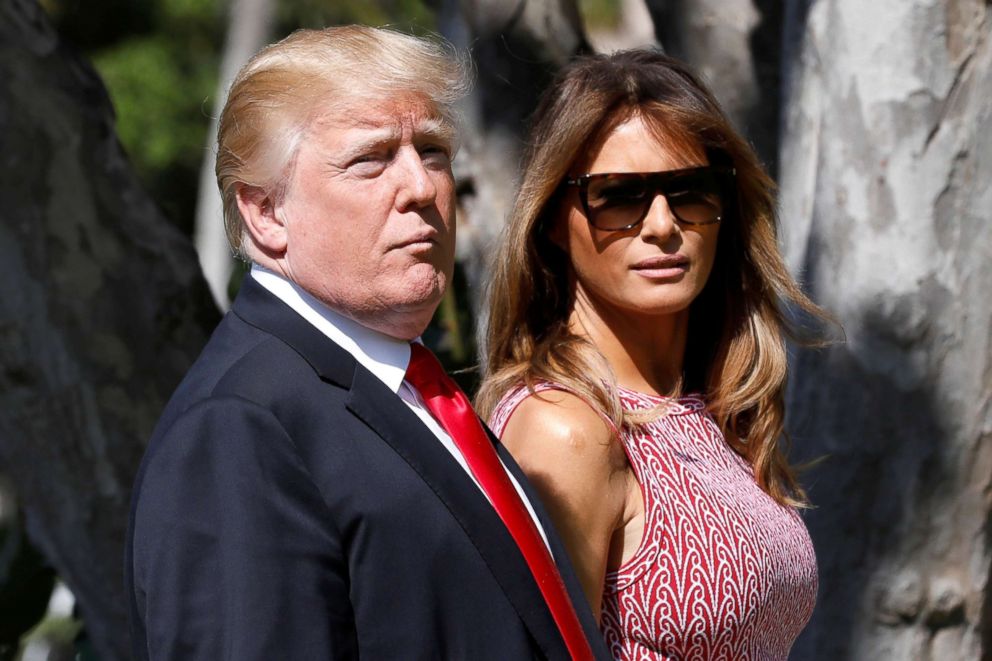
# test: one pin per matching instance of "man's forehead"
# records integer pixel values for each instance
(382, 115)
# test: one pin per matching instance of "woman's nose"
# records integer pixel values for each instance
(659, 222)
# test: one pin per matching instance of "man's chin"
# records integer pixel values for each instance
(406, 317)
(423, 305)
(424, 288)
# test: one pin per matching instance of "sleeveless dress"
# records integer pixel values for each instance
(722, 570)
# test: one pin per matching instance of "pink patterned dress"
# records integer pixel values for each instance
(722, 571)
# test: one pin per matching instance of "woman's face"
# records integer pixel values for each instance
(655, 268)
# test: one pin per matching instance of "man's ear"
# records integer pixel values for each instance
(267, 228)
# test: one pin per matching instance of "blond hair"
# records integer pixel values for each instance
(735, 354)
(278, 94)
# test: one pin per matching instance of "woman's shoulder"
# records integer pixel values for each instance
(541, 400)
(558, 425)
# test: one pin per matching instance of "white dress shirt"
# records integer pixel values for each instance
(386, 357)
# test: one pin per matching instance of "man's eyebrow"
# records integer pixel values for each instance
(435, 128)
(370, 138)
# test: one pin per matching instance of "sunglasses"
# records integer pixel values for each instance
(619, 201)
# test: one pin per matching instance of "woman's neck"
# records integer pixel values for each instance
(645, 352)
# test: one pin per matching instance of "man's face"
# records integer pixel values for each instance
(369, 214)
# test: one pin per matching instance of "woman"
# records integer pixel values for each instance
(636, 363)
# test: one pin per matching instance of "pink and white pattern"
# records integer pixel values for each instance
(722, 571)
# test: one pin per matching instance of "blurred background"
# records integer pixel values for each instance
(875, 119)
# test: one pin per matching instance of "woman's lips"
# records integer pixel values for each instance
(662, 266)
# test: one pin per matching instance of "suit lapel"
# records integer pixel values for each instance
(259, 307)
(385, 414)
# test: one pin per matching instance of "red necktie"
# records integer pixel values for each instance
(451, 408)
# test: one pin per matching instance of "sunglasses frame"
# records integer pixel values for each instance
(657, 182)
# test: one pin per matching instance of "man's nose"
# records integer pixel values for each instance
(416, 188)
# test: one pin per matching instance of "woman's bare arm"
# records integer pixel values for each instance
(579, 468)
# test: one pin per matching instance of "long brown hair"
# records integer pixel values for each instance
(735, 354)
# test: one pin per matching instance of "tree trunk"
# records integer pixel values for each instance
(102, 310)
(736, 46)
(634, 29)
(249, 28)
(887, 211)
(517, 47)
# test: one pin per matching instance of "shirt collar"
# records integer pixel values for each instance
(386, 357)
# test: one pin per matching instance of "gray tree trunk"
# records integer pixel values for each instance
(249, 28)
(516, 47)
(102, 310)
(736, 46)
(887, 211)
(634, 29)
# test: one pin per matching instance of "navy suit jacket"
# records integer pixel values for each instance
(290, 506)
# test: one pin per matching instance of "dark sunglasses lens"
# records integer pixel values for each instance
(620, 201)
(696, 199)
(617, 201)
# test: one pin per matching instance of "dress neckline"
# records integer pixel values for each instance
(637, 399)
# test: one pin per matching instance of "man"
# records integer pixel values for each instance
(308, 492)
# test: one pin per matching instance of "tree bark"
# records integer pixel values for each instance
(634, 29)
(887, 211)
(249, 28)
(517, 47)
(102, 310)
(736, 46)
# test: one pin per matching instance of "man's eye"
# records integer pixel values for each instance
(438, 154)
(369, 164)
(371, 157)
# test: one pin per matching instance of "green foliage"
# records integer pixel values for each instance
(153, 107)
(162, 94)
(407, 15)
(600, 13)
(159, 60)
(193, 12)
